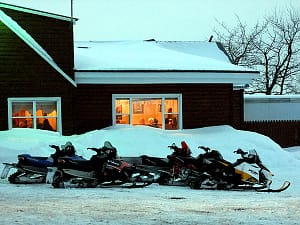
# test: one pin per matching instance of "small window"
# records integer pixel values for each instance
(36, 113)
(160, 111)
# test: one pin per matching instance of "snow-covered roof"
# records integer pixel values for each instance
(29, 40)
(205, 59)
(152, 55)
(200, 48)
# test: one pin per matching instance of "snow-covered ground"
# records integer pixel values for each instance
(42, 204)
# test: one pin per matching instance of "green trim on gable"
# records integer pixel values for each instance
(23, 35)
(37, 12)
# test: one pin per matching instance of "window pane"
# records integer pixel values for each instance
(46, 109)
(46, 113)
(171, 105)
(22, 109)
(46, 124)
(122, 111)
(147, 111)
(22, 114)
(122, 106)
(22, 123)
(171, 122)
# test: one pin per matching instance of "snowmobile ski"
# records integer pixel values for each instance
(123, 185)
(285, 185)
(115, 184)
(6, 169)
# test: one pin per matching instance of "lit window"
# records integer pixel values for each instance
(171, 113)
(160, 111)
(37, 113)
(122, 111)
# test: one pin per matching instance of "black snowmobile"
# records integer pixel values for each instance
(247, 173)
(33, 169)
(172, 170)
(101, 170)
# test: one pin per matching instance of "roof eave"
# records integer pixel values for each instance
(38, 12)
(164, 77)
(165, 71)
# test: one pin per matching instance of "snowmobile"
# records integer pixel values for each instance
(158, 166)
(180, 166)
(101, 170)
(33, 169)
(247, 173)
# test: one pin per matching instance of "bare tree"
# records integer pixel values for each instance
(238, 41)
(272, 47)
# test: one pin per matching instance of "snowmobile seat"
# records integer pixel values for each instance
(187, 159)
(214, 154)
(34, 161)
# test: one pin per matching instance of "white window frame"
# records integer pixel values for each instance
(161, 96)
(10, 101)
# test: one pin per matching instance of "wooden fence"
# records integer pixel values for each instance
(285, 133)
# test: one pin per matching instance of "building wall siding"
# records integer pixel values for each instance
(285, 133)
(203, 104)
(238, 108)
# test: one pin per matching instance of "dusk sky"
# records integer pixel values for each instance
(159, 19)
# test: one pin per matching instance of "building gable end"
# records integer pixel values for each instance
(29, 40)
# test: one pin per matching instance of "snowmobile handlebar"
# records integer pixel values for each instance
(98, 150)
(240, 152)
(58, 151)
(206, 149)
(173, 146)
(101, 150)
(56, 147)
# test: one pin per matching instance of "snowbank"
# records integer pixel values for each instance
(143, 140)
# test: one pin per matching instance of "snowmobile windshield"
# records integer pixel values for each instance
(107, 144)
(110, 150)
